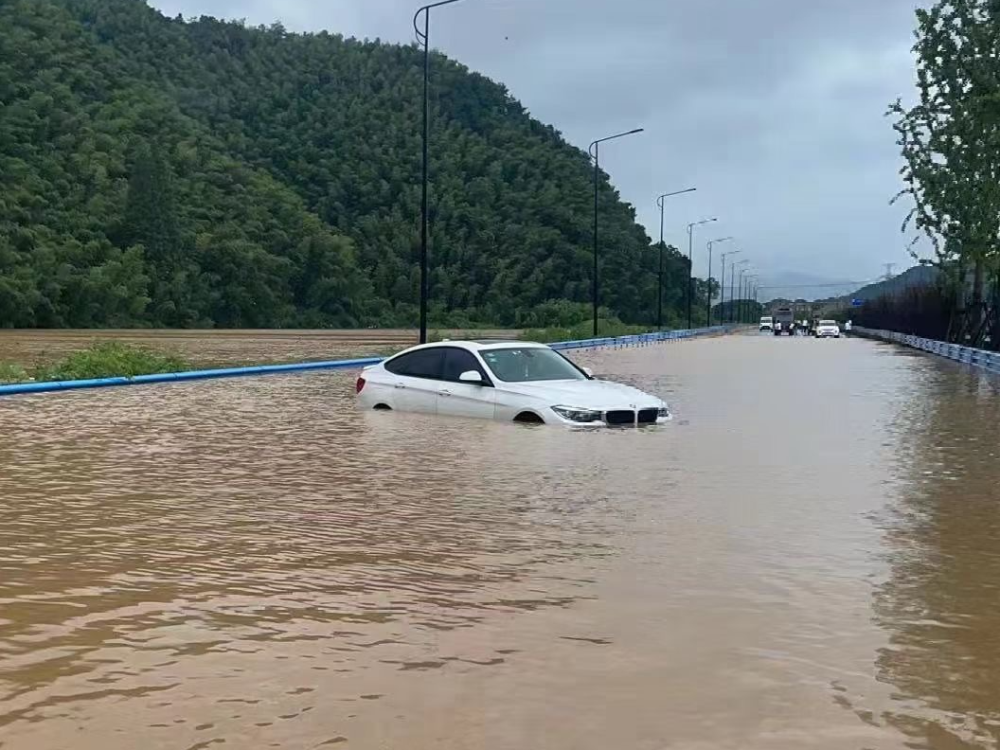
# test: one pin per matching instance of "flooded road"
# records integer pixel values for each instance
(808, 556)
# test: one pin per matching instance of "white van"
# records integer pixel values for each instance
(767, 323)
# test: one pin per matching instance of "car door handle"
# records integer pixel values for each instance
(445, 393)
(399, 385)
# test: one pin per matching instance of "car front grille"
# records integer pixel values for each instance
(620, 416)
(648, 416)
(625, 417)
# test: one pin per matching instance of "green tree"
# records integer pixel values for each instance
(950, 139)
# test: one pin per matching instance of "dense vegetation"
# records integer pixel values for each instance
(920, 310)
(950, 140)
(737, 311)
(158, 172)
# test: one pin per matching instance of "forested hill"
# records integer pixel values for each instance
(917, 276)
(161, 172)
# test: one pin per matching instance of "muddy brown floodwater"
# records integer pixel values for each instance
(808, 556)
(220, 347)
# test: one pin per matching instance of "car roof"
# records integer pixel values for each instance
(479, 345)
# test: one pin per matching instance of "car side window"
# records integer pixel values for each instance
(425, 363)
(457, 361)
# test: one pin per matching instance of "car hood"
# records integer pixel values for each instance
(587, 394)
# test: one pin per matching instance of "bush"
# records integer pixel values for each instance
(111, 359)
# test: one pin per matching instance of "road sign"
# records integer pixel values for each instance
(857, 302)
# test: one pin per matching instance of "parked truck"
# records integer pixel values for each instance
(784, 321)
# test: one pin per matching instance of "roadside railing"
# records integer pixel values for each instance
(989, 361)
(640, 339)
(618, 342)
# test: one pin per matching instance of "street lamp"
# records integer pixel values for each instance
(709, 293)
(743, 271)
(723, 284)
(424, 36)
(751, 280)
(732, 288)
(595, 154)
(690, 285)
(659, 297)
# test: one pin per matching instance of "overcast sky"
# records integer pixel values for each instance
(774, 109)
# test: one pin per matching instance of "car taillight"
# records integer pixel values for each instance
(360, 385)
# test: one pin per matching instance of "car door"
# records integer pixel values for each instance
(416, 379)
(465, 399)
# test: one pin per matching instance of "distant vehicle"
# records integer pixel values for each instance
(509, 381)
(767, 323)
(784, 321)
(828, 329)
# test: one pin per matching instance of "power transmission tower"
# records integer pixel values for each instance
(889, 268)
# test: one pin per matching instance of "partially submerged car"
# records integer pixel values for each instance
(510, 381)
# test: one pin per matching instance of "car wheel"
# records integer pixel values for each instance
(527, 417)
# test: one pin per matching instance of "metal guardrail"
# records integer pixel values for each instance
(618, 342)
(989, 361)
(640, 339)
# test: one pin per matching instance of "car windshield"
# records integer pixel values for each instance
(828, 322)
(513, 365)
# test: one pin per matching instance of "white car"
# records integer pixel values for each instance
(767, 323)
(827, 329)
(510, 381)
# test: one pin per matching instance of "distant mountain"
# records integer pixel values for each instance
(916, 276)
(792, 285)
(160, 172)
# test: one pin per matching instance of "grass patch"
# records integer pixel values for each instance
(106, 360)
(11, 373)
(607, 327)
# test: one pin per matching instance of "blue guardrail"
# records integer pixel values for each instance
(989, 361)
(642, 339)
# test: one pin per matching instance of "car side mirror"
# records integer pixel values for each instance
(471, 376)
(588, 372)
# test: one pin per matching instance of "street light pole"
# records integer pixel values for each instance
(709, 293)
(595, 154)
(741, 314)
(424, 36)
(659, 283)
(690, 284)
(723, 284)
(732, 288)
(746, 298)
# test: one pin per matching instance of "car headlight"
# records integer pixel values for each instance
(574, 414)
(663, 413)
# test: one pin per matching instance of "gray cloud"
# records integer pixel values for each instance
(774, 109)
